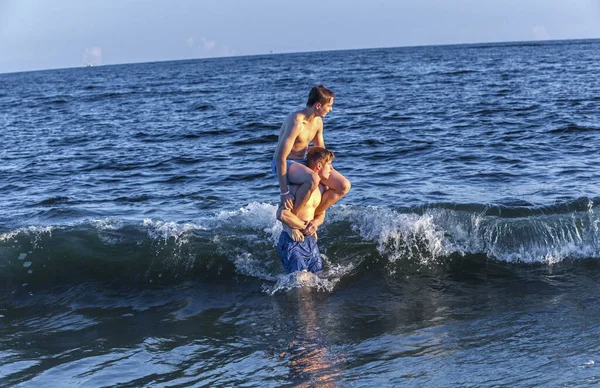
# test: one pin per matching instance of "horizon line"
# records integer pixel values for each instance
(271, 53)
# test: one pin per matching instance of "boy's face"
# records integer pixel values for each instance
(323, 109)
(325, 171)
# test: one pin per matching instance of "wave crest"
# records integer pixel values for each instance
(242, 243)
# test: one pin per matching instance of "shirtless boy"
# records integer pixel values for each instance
(298, 251)
(289, 160)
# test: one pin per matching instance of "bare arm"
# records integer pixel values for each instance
(318, 141)
(284, 147)
(313, 225)
(287, 217)
(319, 220)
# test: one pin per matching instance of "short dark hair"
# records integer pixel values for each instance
(319, 94)
(318, 155)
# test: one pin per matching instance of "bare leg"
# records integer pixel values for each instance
(338, 186)
(307, 180)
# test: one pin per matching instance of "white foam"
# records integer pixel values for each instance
(107, 224)
(399, 235)
(248, 264)
(254, 216)
(257, 216)
(165, 230)
(441, 232)
(337, 271)
(543, 239)
(30, 231)
(300, 279)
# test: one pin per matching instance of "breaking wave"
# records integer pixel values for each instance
(241, 243)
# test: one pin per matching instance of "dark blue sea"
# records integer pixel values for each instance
(138, 230)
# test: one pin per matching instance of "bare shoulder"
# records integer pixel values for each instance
(292, 124)
(319, 122)
(297, 118)
(322, 188)
(295, 122)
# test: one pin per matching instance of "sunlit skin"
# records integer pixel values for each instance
(296, 133)
(305, 222)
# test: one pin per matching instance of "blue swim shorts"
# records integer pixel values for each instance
(289, 163)
(299, 256)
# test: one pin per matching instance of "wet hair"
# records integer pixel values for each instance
(318, 155)
(319, 94)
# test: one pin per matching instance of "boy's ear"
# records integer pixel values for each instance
(319, 166)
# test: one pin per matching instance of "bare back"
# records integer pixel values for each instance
(300, 131)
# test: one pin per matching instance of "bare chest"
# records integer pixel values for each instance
(306, 135)
(315, 198)
(308, 211)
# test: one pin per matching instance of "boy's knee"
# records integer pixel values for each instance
(345, 187)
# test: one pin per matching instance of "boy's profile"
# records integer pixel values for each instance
(299, 129)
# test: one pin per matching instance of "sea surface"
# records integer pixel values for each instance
(138, 230)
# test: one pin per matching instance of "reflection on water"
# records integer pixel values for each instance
(311, 362)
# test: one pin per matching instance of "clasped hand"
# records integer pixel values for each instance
(288, 201)
(310, 229)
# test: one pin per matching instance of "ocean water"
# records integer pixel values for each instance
(138, 231)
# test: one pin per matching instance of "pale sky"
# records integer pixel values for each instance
(48, 34)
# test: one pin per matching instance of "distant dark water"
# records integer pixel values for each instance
(137, 223)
